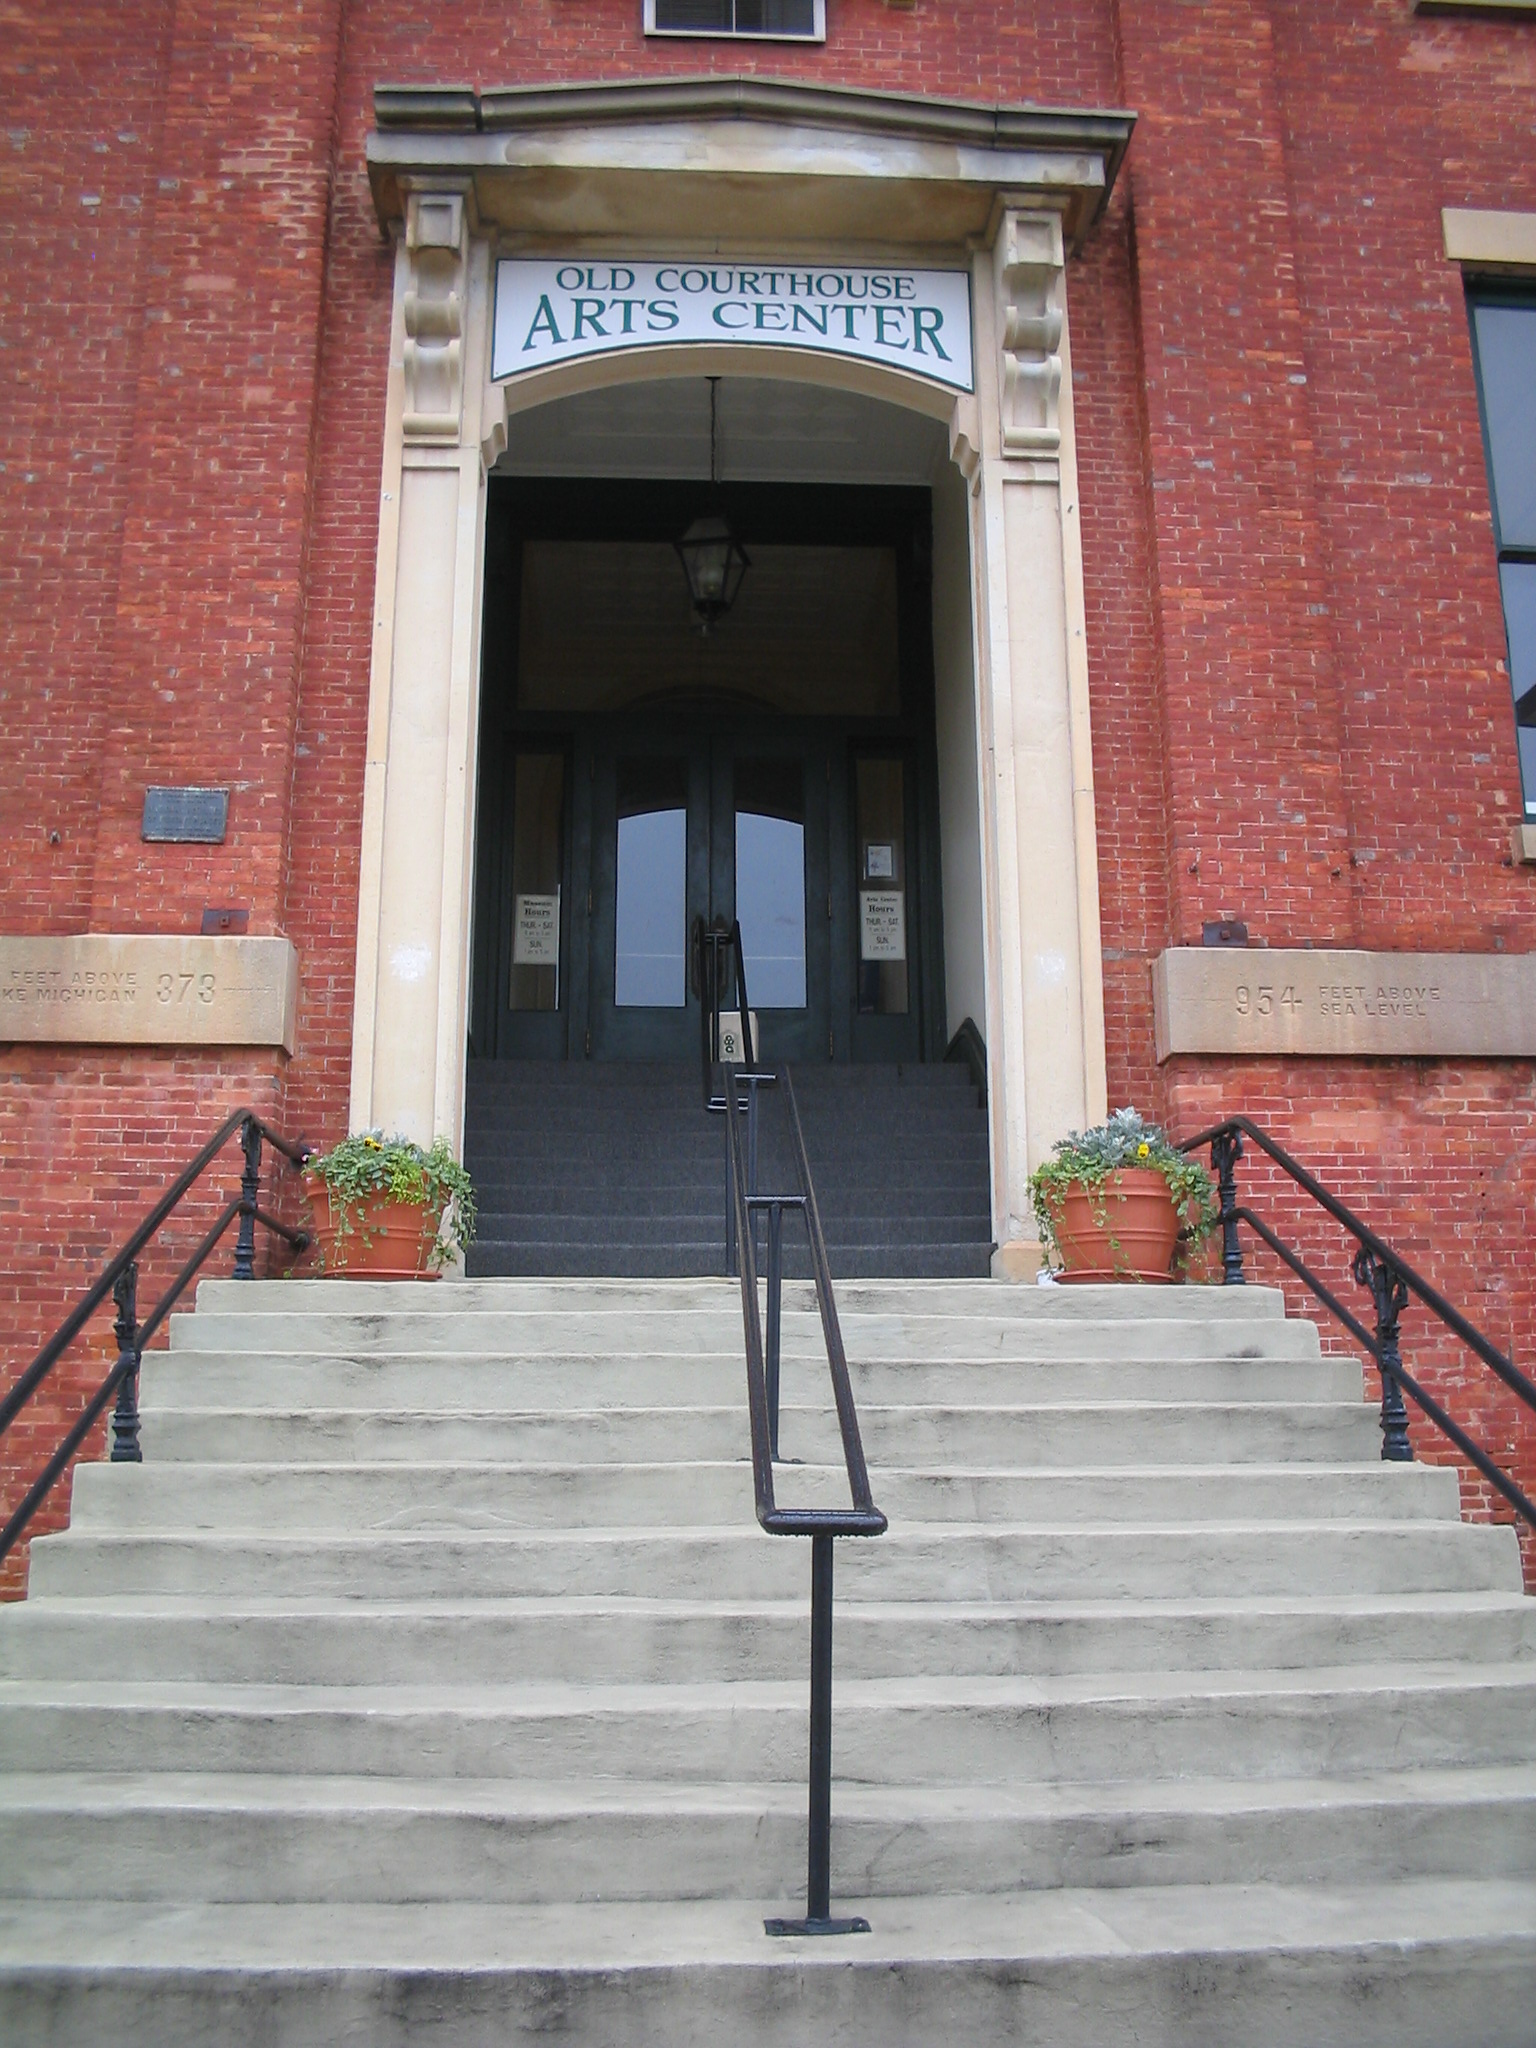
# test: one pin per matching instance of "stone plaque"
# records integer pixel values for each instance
(1344, 1004)
(197, 817)
(105, 988)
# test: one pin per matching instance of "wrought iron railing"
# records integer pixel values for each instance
(733, 1091)
(120, 1280)
(823, 1525)
(1390, 1281)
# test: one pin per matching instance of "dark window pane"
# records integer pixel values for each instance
(538, 857)
(770, 881)
(1506, 354)
(745, 17)
(1518, 580)
(650, 886)
(695, 14)
(775, 17)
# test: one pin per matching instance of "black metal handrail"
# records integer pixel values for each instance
(1390, 1281)
(120, 1279)
(822, 1525)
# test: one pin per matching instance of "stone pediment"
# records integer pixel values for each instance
(712, 160)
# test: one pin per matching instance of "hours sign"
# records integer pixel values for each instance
(914, 320)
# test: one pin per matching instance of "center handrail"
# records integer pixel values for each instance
(822, 1525)
(863, 1518)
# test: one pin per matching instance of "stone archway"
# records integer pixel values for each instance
(612, 170)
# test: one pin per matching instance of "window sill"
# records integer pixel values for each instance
(1522, 845)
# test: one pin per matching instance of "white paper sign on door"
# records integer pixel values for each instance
(882, 924)
(536, 932)
(732, 1051)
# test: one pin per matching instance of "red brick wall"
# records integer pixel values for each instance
(1300, 708)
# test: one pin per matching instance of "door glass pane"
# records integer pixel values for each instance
(880, 809)
(538, 855)
(650, 913)
(770, 881)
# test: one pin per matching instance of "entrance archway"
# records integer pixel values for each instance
(614, 171)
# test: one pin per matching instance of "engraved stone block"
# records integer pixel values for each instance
(111, 988)
(1345, 1004)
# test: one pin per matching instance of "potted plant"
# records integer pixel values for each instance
(386, 1209)
(1120, 1202)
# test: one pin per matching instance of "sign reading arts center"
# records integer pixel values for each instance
(915, 320)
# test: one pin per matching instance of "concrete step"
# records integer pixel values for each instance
(922, 1729)
(676, 1495)
(298, 1641)
(988, 1299)
(1421, 1963)
(182, 1836)
(912, 1562)
(554, 1382)
(618, 1331)
(1107, 1433)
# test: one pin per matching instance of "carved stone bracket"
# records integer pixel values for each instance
(1030, 261)
(435, 238)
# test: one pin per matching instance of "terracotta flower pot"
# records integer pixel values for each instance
(1127, 1231)
(388, 1240)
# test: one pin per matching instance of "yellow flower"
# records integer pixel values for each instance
(1143, 1149)
(373, 1144)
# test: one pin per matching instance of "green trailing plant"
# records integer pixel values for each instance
(368, 1165)
(1086, 1159)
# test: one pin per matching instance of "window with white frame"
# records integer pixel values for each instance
(789, 21)
(1504, 343)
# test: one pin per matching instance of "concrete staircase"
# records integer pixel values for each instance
(431, 1681)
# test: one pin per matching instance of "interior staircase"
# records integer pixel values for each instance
(432, 1681)
(598, 1167)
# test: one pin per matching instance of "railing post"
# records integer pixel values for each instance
(1226, 1150)
(125, 1416)
(250, 1192)
(1389, 1291)
(818, 1868)
(775, 1300)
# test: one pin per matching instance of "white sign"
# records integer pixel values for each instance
(917, 320)
(731, 1050)
(536, 933)
(879, 862)
(882, 924)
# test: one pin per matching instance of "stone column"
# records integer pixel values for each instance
(1045, 1004)
(418, 807)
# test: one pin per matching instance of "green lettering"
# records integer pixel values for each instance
(928, 320)
(543, 321)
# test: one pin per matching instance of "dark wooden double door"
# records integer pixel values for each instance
(615, 839)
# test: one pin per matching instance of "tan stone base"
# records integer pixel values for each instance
(1020, 1260)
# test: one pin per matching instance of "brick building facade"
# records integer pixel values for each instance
(1298, 674)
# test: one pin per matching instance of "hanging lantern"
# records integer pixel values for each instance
(714, 560)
